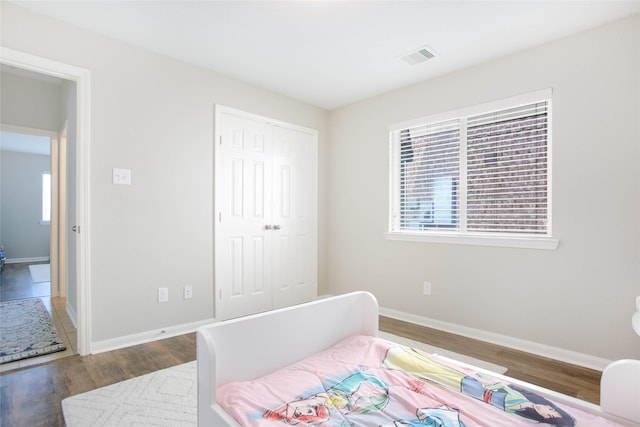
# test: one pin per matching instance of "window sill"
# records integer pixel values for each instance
(547, 243)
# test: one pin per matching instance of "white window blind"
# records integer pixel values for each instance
(507, 170)
(477, 171)
(429, 175)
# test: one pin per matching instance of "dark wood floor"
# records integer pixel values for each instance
(16, 283)
(32, 396)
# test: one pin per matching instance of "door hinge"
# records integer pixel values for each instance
(219, 216)
(220, 294)
(220, 140)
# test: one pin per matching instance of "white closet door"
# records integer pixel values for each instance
(294, 214)
(243, 193)
(266, 208)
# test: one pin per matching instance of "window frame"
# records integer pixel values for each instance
(514, 240)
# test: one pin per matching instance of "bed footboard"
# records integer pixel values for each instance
(275, 339)
(620, 389)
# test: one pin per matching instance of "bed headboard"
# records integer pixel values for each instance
(252, 346)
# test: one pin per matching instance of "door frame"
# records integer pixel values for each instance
(82, 78)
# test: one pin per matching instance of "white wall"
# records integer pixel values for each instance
(152, 115)
(579, 297)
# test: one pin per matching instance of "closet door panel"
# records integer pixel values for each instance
(243, 244)
(295, 211)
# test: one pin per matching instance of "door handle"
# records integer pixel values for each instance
(268, 227)
(75, 229)
(276, 227)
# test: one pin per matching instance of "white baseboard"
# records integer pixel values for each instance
(72, 315)
(543, 350)
(145, 337)
(21, 260)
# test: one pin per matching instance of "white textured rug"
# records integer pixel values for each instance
(40, 273)
(169, 397)
(163, 398)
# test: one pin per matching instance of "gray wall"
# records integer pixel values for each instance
(29, 103)
(579, 297)
(23, 236)
(152, 115)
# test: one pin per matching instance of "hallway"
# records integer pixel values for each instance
(16, 283)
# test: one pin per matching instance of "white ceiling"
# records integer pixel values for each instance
(332, 53)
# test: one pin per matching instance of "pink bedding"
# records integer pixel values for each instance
(366, 381)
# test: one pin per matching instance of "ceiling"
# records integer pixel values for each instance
(333, 53)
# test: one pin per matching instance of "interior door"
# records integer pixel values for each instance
(294, 211)
(243, 239)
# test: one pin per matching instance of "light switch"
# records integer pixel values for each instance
(163, 294)
(122, 176)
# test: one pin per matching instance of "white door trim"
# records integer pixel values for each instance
(82, 79)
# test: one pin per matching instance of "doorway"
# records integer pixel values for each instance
(33, 212)
(28, 228)
(78, 248)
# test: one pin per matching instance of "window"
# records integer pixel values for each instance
(46, 198)
(482, 172)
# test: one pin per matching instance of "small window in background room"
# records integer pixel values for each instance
(46, 198)
(479, 171)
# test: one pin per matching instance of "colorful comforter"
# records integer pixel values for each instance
(366, 381)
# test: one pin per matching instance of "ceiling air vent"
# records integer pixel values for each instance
(417, 56)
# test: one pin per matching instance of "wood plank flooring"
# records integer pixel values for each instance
(16, 283)
(32, 396)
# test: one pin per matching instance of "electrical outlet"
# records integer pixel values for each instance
(188, 292)
(426, 288)
(163, 294)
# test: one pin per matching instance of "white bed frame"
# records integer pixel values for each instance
(249, 347)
